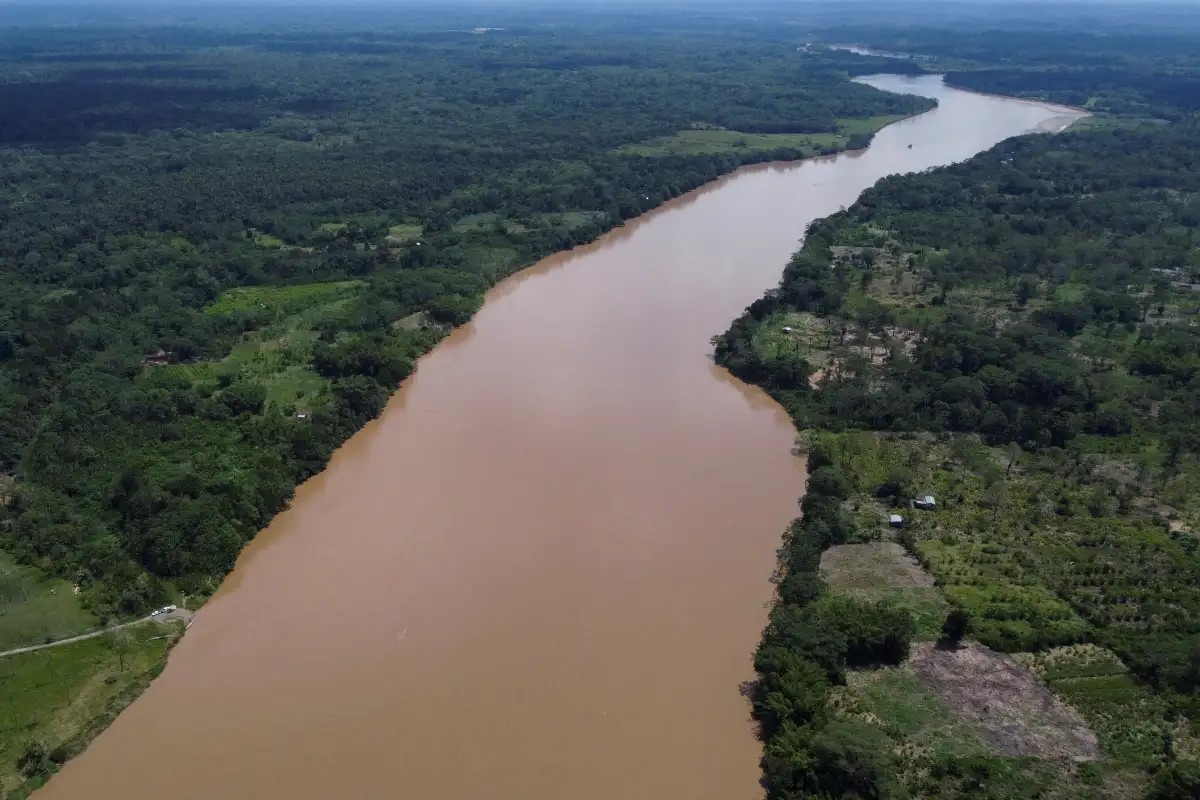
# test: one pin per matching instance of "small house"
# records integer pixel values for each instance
(895, 520)
(158, 358)
(926, 502)
(786, 329)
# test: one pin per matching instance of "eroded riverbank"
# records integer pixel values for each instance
(542, 572)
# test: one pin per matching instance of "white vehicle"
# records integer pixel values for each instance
(164, 610)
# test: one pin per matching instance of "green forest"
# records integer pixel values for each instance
(1014, 337)
(221, 252)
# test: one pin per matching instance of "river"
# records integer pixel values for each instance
(542, 572)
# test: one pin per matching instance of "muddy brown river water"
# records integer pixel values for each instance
(542, 572)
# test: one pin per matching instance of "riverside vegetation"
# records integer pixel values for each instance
(1016, 336)
(224, 246)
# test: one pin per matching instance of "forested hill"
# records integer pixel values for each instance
(1016, 336)
(222, 249)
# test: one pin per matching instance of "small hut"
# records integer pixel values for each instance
(925, 502)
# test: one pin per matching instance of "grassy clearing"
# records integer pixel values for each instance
(716, 141)
(35, 607)
(277, 356)
(806, 345)
(929, 735)
(884, 571)
(266, 240)
(490, 261)
(569, 220)
(488, 221)
(897, 700)
(280, 362)
(852, 125)
(54, 701)
(404, 232)
(876, 565)
(712, 142)
(286, 299)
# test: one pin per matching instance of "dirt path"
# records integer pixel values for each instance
(182, 615)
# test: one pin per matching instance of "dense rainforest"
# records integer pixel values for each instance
(223, 249)
(994, 368)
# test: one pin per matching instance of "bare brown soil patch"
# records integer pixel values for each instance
(1014, 713)
(875, 565)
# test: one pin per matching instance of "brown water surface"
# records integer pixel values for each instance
(541, 574)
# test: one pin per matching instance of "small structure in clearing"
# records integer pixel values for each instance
(895, 520)
(926, 502)
(158, 358)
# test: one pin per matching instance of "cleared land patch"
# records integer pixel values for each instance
(404, 232)
(900, 702)
(1013, 713)
(885, 571)
(36, 608)
(284, 299)
(488, 220)
(875, 565)
(712, 141)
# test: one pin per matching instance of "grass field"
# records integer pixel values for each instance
(278, 360)
(569, 220)
(476, 222)
(711, 142)
(884, 571)
(278, 355)
(266, 240)
(852, 125)
(54, 701)
(404, 232)
(36, 608)
(900, 702)
(284, 299)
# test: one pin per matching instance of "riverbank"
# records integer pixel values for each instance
(1009, 530)
(57, 698)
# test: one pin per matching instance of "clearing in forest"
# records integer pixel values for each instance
(874, 565)
(1011, 710)
(36, 607)
(885, 571)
